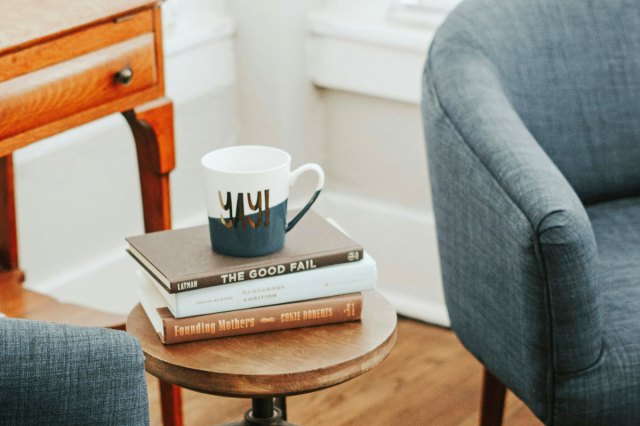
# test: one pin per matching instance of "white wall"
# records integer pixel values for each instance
(277, 103)
(366, 57)
(380, 193)
(338, 82)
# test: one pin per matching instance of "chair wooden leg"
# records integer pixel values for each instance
(152, 127)
(8, 225)
(493, 396)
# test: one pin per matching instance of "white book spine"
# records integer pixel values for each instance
(321, 282)
(150, 300)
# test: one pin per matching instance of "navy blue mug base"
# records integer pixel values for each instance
(242, 240)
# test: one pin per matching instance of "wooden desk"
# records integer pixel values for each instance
(65, 63)
(276, 364)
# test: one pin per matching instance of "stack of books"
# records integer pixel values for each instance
(190, 292)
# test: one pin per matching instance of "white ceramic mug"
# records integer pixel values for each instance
(247, 188)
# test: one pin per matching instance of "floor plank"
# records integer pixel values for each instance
(429, 379)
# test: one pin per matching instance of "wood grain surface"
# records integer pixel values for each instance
(152, 127)
(18, 302)
(27, 22)
(84, 25)
(74, 44)
(429, 379)
(278, 363)
(60, 90)
(124, 103)
(8, 224)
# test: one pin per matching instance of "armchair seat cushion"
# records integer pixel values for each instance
(616, 225)
(609, 390)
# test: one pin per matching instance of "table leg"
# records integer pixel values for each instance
(171, 404)
(8, 233)
(262, 413)
(281, 403)
(152, 128)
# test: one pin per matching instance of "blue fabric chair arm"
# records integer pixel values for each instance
(514, 238)
(58, 374)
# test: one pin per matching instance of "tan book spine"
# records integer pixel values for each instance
(307, 313)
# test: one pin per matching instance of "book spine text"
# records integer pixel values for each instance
(259, 320)
(321, 282)
(298, 265)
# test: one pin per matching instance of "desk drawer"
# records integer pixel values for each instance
(60, 90)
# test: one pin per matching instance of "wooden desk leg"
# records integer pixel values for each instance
(8, 232)
(152, 127)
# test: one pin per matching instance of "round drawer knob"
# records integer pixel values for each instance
(124, 76)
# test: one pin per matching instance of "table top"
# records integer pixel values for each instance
(277, 363)
(25, 22)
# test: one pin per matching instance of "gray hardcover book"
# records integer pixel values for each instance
(182, 259)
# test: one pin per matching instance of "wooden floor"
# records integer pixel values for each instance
(429, 379)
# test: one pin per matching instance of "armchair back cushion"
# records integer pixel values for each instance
(531, 112)
(570, 70)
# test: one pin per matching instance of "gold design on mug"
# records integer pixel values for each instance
(239, 215)
(266, 207)
(255, 206)
(240, 211)
(226, 206)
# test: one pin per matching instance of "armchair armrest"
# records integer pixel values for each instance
(518, 253)
(59, 374)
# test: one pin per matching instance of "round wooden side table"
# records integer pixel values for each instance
(275, 364)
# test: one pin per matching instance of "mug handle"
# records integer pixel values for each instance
(292, 179)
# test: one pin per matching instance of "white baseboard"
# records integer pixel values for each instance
(107, 280)
(423, 310)
(98, 265)
(81, 272)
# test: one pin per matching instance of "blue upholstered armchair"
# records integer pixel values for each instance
(532, 121)
(53, 374)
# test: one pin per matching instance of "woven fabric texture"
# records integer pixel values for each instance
(532, 123)
(53, 374)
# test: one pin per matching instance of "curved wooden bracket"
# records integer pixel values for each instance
(152, 127)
